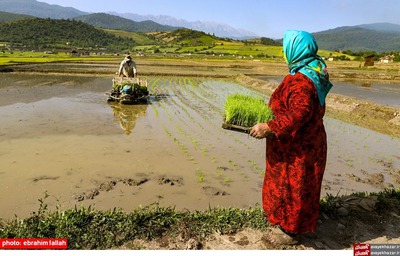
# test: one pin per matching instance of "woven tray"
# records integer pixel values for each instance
(236, 128)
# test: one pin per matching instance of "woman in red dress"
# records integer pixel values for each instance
(296, 141)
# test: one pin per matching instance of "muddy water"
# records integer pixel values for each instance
(382, 93)
(59, 136)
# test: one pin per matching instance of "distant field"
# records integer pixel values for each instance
(137, 37)
(42, 57)
(225, 51)
(227, 48)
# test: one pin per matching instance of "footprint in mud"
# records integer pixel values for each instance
(112, 182)
(44, 177)
(376, 179)
(90, 194)
(131, 182)
(212, 191)
(222, 168)
(108, 186)
(170, 181)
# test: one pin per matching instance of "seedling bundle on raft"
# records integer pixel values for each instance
(244, 111)
(129, 90)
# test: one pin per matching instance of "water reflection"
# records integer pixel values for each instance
(127, 115)
(67, 137)
(383, 93)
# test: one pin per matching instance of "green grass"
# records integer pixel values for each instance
(88, 228)
(246, 111)
(242, 49)
(139, 38)
(19, 57)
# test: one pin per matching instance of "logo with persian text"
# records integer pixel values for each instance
(362, 250)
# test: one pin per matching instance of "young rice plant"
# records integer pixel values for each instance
(246, 110)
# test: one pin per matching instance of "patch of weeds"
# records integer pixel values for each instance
(389, 199)
(386, 201)
(88, 228)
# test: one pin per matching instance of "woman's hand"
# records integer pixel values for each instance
(260, 131)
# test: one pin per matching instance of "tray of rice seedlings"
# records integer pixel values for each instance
(244, 111)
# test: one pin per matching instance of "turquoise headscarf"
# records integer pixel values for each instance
(300, 51)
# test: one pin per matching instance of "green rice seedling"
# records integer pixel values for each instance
(246, 110)
(155, 111)
(200, 175)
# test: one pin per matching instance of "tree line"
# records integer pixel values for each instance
(50, 33)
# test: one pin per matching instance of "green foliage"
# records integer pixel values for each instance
(387, 200)
(358, 39)
(246, 111)
(6, 16)
(190, 35)
(48, 33)
(108, 21)
(87, 228)
(138, 37)
(269, 41)
(134, 86)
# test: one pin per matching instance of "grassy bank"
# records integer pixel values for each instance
(88, 228)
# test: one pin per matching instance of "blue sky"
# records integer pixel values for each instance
(268, 18)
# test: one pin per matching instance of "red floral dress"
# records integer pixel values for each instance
(295, 156)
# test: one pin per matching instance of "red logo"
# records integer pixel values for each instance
(362, 249)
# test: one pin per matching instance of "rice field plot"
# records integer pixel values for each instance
(229, 161)
(221, 163)
(81, 150)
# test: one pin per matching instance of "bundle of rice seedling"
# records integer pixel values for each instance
(133, 86)
(246, 111)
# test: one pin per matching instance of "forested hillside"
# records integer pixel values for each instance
(49, 33)
(108, 21)
(358, 39)
(6, 16)
(39, 9)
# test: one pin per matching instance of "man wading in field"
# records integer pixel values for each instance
(296, 142)
(127, 67)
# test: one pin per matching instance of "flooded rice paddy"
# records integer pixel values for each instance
(386, 93)
(59, 136)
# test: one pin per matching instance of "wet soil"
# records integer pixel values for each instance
(62, 138)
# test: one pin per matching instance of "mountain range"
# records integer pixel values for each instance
(218, 29)
(104, 20)
(45, 10)
(39, 9)
(379, 37)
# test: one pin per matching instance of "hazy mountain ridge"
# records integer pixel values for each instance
(218, 29)
(109, 21)
(44, 10)
(383, 27)
(8, 16)
(39, 9)
(379, 37)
